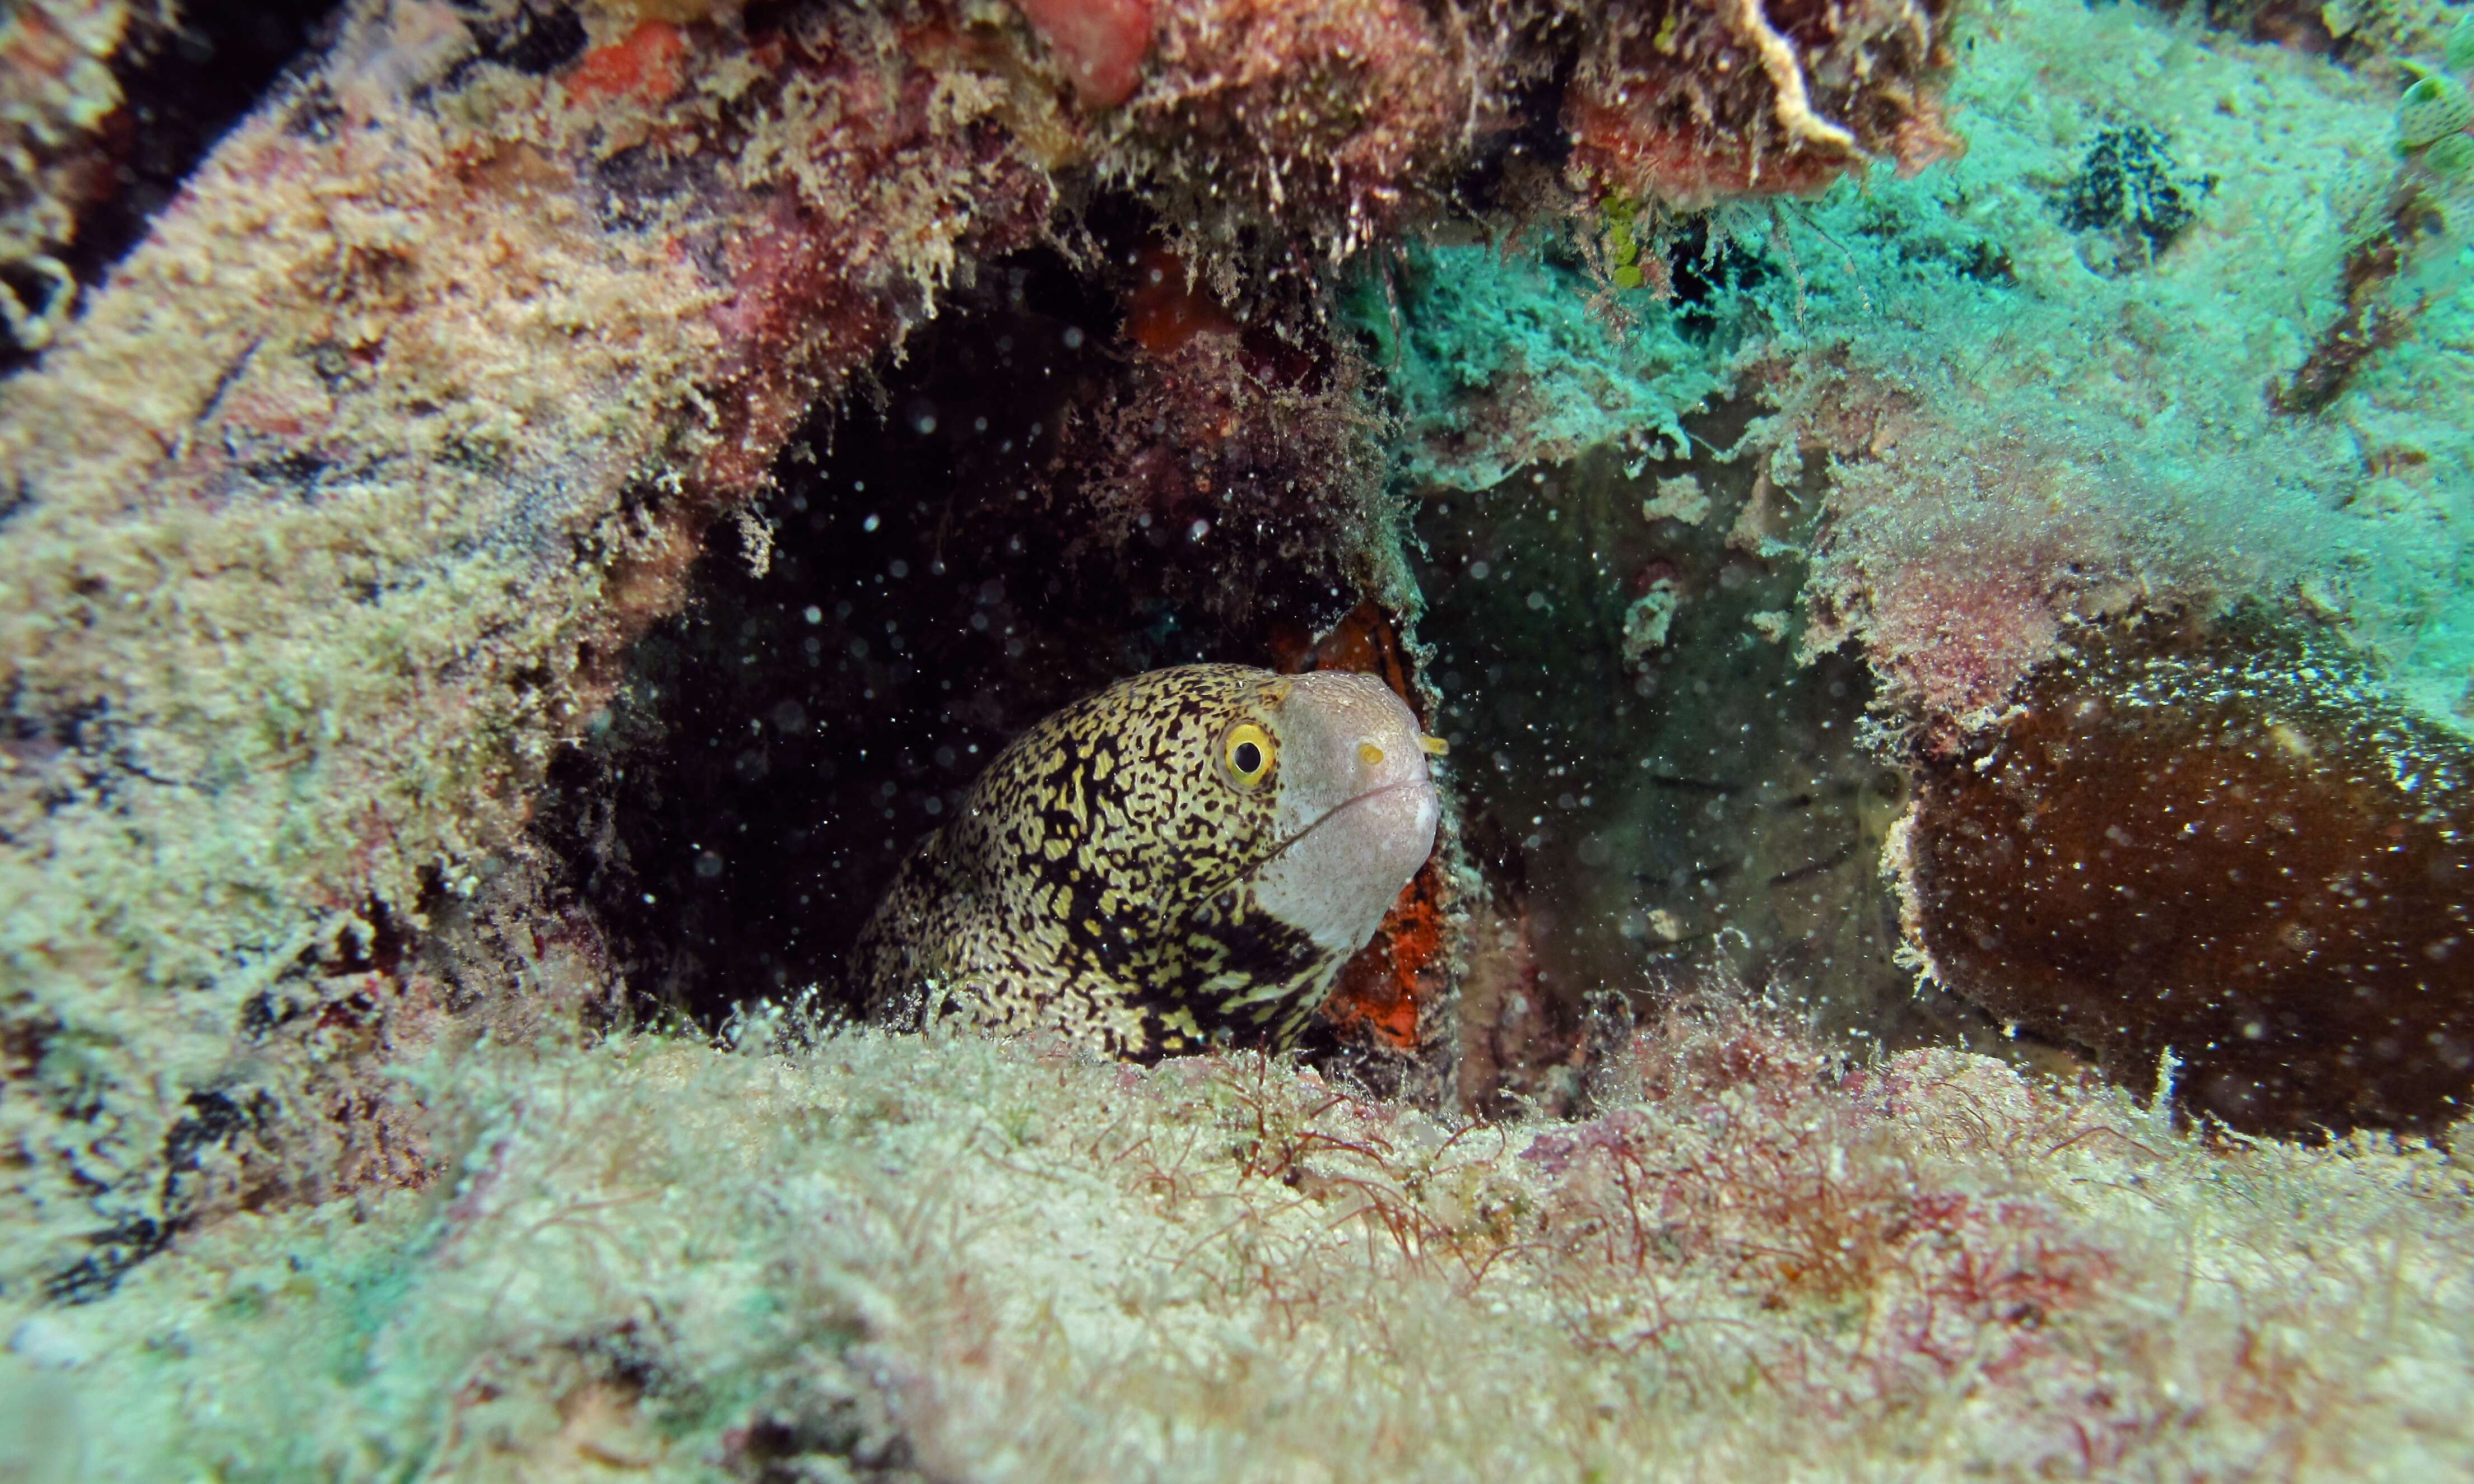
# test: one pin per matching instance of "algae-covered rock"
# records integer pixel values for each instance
(331, 515)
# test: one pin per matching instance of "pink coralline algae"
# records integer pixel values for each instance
(1101, 43)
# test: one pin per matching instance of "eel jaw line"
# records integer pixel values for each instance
(1336, 877)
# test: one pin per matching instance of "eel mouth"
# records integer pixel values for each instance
(1253, 869)
(1335, 879)
(1427, 785)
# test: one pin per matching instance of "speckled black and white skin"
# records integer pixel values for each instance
(1187, 857)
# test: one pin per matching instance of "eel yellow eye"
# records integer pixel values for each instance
(1248, 751)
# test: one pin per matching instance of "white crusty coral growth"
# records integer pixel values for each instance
(892, 1257)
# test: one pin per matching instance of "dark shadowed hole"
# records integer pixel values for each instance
(936, 586)
(1659, 816)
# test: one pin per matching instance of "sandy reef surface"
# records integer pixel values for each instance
(886, 1258)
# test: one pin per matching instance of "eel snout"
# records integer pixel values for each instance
(1358, 807)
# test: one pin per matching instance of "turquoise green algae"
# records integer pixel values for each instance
(2091, 409)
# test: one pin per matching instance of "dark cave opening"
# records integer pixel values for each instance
(955, 554)
(1665, 795)
(939, 576)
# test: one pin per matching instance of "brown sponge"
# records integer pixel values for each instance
(2239, 854)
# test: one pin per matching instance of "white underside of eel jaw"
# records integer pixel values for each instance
(1357, 806)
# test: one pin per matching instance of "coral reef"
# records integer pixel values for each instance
(569, 494)
(337, 514)
(296, 615)
(1007, 538)
(1942, 424)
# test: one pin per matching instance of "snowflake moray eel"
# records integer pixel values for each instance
(1188, 857)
